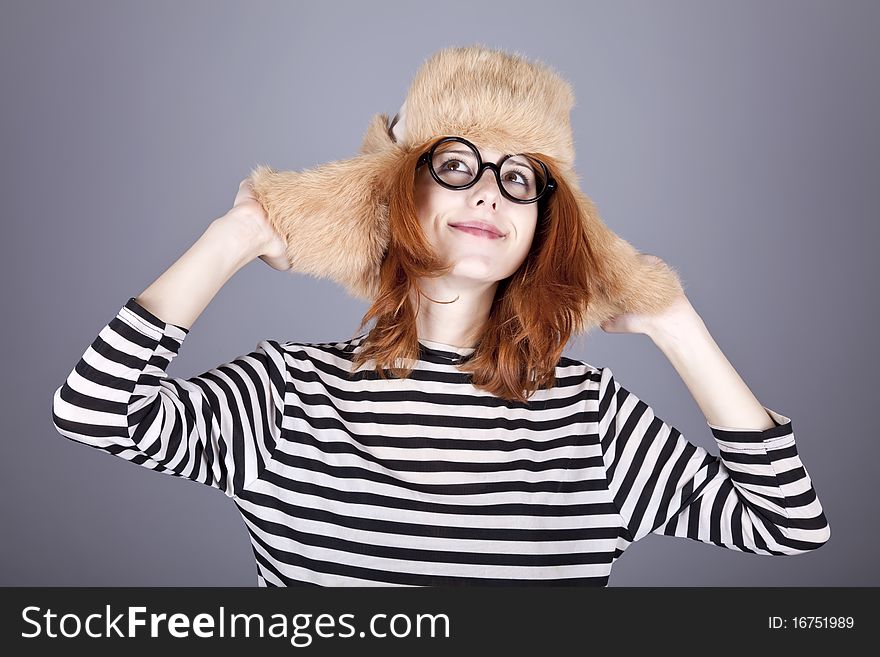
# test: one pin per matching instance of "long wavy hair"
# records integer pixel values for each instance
(533, 315)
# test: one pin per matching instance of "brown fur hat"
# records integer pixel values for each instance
(334, 216)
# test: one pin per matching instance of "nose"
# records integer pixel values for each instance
(486, 187)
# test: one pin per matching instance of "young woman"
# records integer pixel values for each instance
(452, 443)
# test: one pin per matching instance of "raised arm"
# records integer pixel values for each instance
(756, 496)
(218, 428)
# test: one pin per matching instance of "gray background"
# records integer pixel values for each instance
(738, 141)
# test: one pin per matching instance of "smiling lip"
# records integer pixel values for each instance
(479, 229)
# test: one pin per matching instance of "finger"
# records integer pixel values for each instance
(245, 191)
(399, 127)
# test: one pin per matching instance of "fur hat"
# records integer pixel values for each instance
(334, 217)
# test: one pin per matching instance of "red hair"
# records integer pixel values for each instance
(535, 311)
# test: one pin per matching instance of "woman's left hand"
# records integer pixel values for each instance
(679, 314)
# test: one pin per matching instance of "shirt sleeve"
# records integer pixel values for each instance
(756, 496)
(219, 428)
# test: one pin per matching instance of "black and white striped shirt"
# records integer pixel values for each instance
(348, 479)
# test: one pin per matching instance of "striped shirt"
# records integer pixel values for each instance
(346, 479)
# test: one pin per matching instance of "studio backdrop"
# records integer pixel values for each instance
(737, 141)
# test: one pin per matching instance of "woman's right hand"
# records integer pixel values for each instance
(248, 221)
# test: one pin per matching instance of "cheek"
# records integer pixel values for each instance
(424, 193)
(432, 203)
(526, 228)
(423, 204)
(525, 238)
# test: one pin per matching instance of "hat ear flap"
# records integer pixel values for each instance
(334, 217)
(620, 280)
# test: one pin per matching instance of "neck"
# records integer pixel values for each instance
(458, 323)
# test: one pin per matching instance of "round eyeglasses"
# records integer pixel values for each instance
(455, 163)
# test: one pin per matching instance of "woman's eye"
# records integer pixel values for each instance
(453, 162)
(524, 178)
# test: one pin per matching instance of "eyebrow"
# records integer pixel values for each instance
(512, 159)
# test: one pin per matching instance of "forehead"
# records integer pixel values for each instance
(488, 153)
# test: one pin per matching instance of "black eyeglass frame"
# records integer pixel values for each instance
(428, 158)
